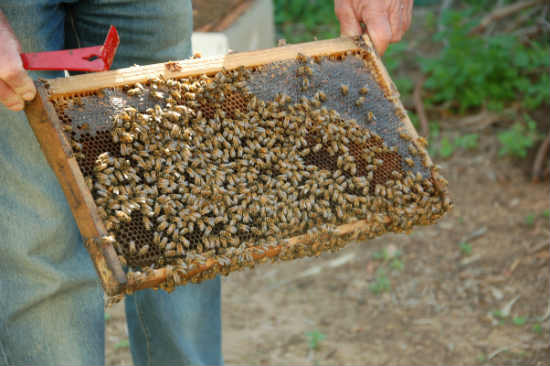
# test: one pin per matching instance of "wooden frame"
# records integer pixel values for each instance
(48, 130)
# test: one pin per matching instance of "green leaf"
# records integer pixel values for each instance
(380, 254)
(446, 147)
(467, 141)
(519, 320)
(397, 264)
(530, 219)
(537, 328)
(465, 248)
(315, 337)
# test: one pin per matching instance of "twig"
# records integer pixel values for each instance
(486, 118)
(475, 234)
(528, 32)
(419, 105)
(503, 12)
(489, 30)
(540, 158)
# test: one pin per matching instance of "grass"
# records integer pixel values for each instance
(381, 283)
(519, 320)
(530, 219)
(314, 339)
(397, 264)
(465, 248)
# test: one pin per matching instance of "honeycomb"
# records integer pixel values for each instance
(340, 105)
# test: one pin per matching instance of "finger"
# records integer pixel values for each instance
(9, 98)
(17, 78)
(349, 24)
(396, 12)
(378, 28)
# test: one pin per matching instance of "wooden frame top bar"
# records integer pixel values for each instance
(178, 69)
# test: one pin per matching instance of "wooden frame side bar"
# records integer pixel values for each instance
(58, 152)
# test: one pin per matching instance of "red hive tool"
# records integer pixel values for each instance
(96, 58)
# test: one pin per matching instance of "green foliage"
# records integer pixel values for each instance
(397, 264)
(446, 148)
(537, 328)
(530, 219)
(107, 316)
(546, 213)
(384, 255)
(519, 320)
(519, 138)
(471, 71)
(314, 339)
(465, 248)
(380, 254)
(302, 20)
(381, 283)
(393, 60)
(468, 141)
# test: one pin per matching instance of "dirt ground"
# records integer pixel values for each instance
(444, 305)
(473, 289)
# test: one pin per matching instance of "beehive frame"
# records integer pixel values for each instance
(48, 129)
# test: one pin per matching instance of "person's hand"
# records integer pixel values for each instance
(386, 20)
(15, 85)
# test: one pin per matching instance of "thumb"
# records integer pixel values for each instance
(379, 30)
(349, 24)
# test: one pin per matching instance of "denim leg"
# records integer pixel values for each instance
(180, 328)
(183, 327)
(50, 299)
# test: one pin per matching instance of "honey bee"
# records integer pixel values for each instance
(76, 145)
(360, 101)
(143, 250)
(132, 247)
(344, 89)
(134, 92)
(364, 90)
(370, 116)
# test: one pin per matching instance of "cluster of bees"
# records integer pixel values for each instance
(214, 173)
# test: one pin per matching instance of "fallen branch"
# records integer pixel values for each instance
(486, 118)
(419, 106)
(540, 159)
(503, 12)
(528, 32)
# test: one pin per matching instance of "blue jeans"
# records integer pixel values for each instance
(51, 303)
